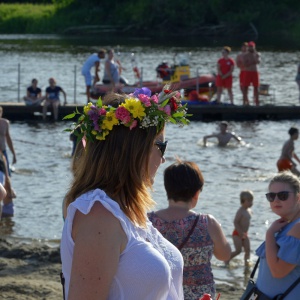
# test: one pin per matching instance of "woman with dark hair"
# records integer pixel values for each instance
(109, 249)
(198, 236)
(285, 161)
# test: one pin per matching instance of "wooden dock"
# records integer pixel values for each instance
(206, 113)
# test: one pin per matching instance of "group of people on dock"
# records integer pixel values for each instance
(34, 97)
(247, 61)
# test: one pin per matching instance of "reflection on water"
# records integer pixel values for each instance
(7, 226)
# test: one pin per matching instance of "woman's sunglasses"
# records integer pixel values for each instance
(162, 146)
(282, 196)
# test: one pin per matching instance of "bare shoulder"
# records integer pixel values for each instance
(295, 231)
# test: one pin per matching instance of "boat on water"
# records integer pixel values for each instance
(202, 86)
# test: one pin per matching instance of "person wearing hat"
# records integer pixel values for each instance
(225, 68)
(251, 76)
(239, 62)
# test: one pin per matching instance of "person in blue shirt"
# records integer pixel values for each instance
(280, 253)
(34, 94)
(52, 98)
(92, 61)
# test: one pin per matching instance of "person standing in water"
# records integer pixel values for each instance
(285, 161)
(241, 227)
(223, 136)
(298, 79)
(240, 64)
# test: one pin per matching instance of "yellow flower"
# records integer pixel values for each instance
(135, 107)
(94, 132)
(101, 136)
(87, 108)
(110, 120)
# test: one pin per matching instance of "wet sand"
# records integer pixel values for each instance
(31, 271)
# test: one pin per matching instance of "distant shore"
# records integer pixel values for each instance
(31, 271)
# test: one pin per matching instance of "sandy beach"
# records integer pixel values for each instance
(31, 271)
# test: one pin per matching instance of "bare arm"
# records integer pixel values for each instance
(237, 222)
(278, 267)
(237, 138)
(10, 145)
(208, 137)
(229, 73)
(65, 96)
(99, 240)
(222, 249)
(2, 192)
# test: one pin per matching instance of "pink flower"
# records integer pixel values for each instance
(167, 110)
(154, 98)
(133, 124)
(123, 114)
(145, 99)
(102, 112)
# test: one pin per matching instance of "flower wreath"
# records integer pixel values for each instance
(139, 109)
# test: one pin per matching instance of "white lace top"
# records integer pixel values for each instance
(150, 267)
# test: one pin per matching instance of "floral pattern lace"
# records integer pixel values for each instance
(197, 253)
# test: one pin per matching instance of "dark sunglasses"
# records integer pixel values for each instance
(162, 146)
(282, 196)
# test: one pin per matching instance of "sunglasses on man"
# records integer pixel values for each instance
(162, 146)
(282, 196)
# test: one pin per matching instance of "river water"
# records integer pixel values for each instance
(42, 173)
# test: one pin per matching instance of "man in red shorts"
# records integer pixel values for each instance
(240, 64)
(225, 68)
(251, 76)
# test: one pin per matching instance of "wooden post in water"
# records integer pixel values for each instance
(75, 73)
(19, 80)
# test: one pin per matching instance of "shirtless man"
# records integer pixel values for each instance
(239, 62)
(6, 139)
(251, 76)
(241, 226)
(223, 136)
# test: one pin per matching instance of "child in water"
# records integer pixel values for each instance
(241, 226)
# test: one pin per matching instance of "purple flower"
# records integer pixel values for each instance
(144, 91)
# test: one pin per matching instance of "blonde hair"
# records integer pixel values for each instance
(247, 194)
(289, 178)
(119, 166)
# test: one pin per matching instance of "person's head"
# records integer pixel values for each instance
(246, 198)
(251, 46)
(284, 194)
(124, 147)
(52, 81)
(182, 180)
(110, 53)
(294, 133)
(223, 126)
(101, 53)
(226, 50)
(244, 47)
(34, 82)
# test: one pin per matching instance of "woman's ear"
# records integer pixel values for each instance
(195, 198)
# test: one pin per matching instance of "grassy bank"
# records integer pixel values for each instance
(84, 19)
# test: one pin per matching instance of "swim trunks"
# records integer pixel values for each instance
(242, 76)
(284, 164)
(235, 233)
(225, 83)
(251, 77)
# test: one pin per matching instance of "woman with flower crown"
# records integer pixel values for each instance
(109, 249)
